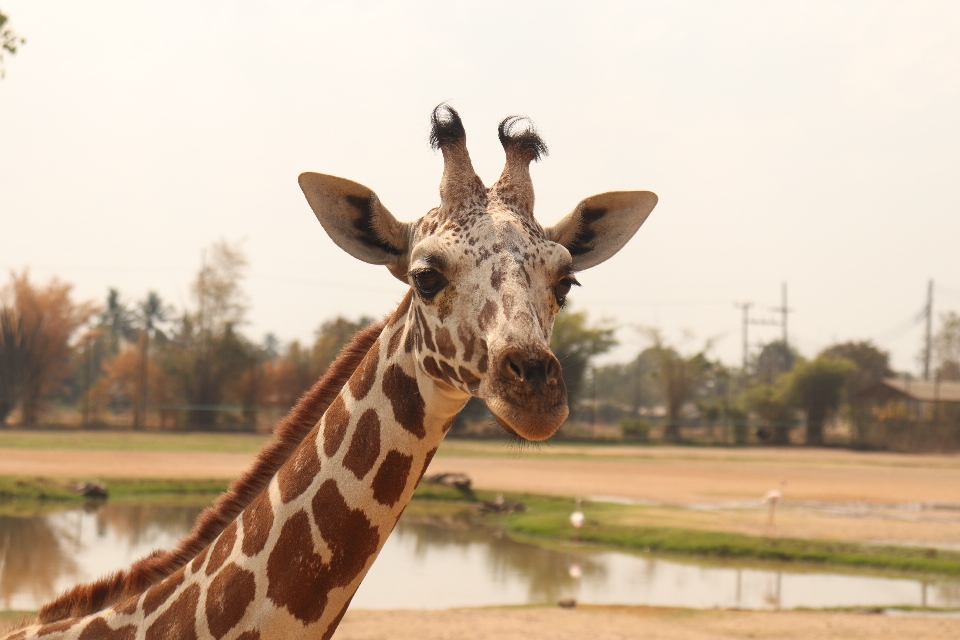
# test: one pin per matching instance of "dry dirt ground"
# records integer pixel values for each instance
(617, 623)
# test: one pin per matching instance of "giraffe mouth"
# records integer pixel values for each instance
(535, 425)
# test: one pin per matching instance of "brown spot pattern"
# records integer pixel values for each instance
(468, 340)
(297, 473)
(98, 629)
(198, 561)
(257, 522)
(54, 627)
(222, 548)
(487, 315)
(467, 376)
(404, 396)
(394, 342)
(391, 478)
(335, 422)
(228, 597)
(482, 364)
(429, 458)
(425, 330)
(159, 593)
(179, 620)
(432, 368)
(328, 634)
(448, 371)
(362, 381)
(365, 445)
(445, 343)
(128, 606)
(249, 635)
(297, 577)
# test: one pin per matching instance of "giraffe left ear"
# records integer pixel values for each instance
(357, 222)
(600, 225)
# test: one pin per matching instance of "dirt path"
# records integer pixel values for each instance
(618, 623)
(668, 475)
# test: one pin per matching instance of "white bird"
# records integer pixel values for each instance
(577, 517)
(772, 498)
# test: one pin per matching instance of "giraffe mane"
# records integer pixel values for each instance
(85, 599)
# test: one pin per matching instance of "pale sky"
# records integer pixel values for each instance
(813, 143)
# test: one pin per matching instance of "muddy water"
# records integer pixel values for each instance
(443, 562)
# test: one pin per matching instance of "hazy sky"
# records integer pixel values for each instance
(813, 143)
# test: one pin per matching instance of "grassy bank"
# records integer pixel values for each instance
(60, 490)
(547, 521)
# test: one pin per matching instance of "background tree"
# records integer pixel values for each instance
(817, 386)
(773, 405)
(679, 377)
(36, 326)
(206, 353)
(946, 347)
(9, 42)
(151, 313)
(775, 358)
(575, 343)
(871, 365)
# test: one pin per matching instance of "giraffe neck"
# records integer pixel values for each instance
(290, 563)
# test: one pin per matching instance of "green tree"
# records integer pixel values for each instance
(9, 42)
(679, 377)
(775, 358)
(774, 405)
(574, 343)
(871, 365)
(816, 386)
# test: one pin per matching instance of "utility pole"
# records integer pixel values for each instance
(745, 306)
(929, 313)
(784, 310)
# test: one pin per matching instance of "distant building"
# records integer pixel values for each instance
(909, 415)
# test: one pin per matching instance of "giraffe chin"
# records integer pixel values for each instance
(528, 425)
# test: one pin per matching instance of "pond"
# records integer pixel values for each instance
(440, 561)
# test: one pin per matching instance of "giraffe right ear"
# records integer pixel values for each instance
(357, 222)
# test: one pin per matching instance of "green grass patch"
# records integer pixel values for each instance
(549, 519)
(22, 489)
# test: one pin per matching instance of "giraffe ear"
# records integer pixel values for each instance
(357, 222)
(601, 225)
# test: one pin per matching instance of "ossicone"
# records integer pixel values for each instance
(446, 128)
(518, 133)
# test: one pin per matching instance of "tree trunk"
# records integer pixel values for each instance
(815, 420)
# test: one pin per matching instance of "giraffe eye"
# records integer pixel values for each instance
(562, 288)
(428, 282)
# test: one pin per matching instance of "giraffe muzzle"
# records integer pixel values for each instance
(526, 393)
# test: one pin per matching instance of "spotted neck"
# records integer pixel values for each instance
(289, 565)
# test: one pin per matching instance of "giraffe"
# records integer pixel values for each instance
(282, 553)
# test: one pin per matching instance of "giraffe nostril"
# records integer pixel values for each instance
(515, 369)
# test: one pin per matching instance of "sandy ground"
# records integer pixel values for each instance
(621, 623)
(616, 623)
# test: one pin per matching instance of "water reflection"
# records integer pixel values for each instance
(439, 562)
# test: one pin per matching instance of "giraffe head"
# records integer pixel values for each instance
(487, 280)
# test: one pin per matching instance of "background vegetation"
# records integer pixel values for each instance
(143, 364)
